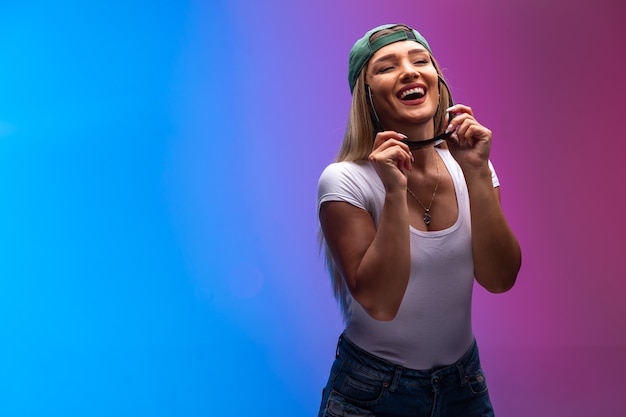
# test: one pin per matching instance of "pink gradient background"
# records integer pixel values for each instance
(547, 78)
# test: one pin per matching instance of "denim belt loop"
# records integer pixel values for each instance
(462, 375)
(397, 374)
(434, 382)
(338, 343)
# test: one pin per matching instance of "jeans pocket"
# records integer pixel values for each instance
(339, 406)
(360, 388)
(477, 382)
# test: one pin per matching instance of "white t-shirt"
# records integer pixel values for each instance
(433, 326)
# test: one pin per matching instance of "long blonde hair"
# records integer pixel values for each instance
(358, 142)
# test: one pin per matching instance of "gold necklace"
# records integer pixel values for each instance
(427, 217)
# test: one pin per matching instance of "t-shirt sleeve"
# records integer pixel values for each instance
(494, 176)
(339, 183)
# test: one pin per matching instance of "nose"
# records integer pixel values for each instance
(409, 71)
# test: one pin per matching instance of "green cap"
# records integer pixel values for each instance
(363, 49)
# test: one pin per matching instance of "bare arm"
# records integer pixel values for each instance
(374, 261)
(496, 251)
(497, 254)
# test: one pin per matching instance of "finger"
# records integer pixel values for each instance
(382, 137)
(461, 132)
(457, 121)
(453, 140)
(393, 142)
(473, 132)
(460, 108)
(393, 155)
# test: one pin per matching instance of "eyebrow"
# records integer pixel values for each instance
(387, 57)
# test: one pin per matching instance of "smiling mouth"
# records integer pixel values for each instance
(413, 94)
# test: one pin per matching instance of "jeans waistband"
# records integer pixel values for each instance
(354, 356)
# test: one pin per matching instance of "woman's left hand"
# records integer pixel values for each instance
(470, 142)
(495, 249)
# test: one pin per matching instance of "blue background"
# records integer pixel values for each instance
(158, 171)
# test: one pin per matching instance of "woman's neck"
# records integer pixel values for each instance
(423, 158)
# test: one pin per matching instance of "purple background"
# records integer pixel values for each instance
(159, 163)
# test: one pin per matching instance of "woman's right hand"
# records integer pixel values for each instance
(391, 159)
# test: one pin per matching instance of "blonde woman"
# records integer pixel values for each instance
(410, 216)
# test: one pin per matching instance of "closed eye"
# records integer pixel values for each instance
(384, 69)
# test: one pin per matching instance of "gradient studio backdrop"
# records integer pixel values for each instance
(158, 171)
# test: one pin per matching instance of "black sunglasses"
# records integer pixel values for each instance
(417, 144)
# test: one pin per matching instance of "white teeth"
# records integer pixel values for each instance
(416, 90)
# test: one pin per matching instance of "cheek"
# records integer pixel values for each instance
(435, 96)
(436, 92)
(383, 103)
(381, 94)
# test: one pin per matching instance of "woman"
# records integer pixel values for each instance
(408, 223)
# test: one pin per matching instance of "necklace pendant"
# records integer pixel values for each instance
(427, 218)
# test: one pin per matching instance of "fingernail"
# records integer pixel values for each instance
(403, 135)
(449, 128)
(450, 108)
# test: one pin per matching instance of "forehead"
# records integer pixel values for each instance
(400, 48)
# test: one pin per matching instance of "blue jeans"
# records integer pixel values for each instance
(361, 384)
